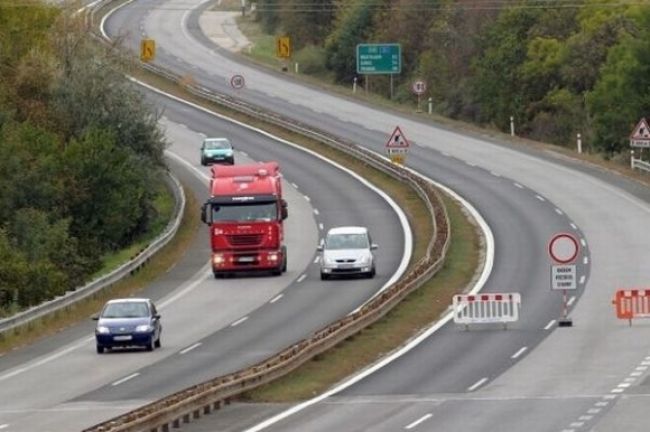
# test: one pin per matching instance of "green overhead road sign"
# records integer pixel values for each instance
(379, 59)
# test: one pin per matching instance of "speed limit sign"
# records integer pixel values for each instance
(419, 87)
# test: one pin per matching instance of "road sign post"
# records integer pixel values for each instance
(563, 250)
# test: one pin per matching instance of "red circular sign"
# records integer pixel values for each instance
(563, 248)
(419, 87)
(237, 81)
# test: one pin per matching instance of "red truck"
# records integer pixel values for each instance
(245, 212)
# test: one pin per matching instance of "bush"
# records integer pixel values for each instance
(311, 60)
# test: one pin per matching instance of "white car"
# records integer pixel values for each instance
(347, 251)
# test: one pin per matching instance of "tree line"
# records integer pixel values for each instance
(558, 68)
(80, 155)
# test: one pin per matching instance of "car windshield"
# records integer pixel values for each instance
(249, 212)
(126, 310)
(217, 144)
(346, 241)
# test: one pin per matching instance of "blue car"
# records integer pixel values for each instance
(130, 322)
(217, 150)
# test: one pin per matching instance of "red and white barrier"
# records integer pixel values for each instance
(486, 308)
(634, 303)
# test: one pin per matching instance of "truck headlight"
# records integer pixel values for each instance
(218, 259)
(273, 256)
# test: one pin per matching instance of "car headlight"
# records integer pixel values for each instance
(103, 330)
(229, 153)
(328, 260)
(365, 260)
(143, 328)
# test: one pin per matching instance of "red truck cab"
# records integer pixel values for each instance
(245, 214)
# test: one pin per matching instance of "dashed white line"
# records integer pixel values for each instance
(276, 298)
(641, 368)
(125, 379)
(295, 186)
(301, 278)
(316, 211)
(321, 226)
(558, 211)
(574, 226)
(518, 185)
(418, 421)
(593, 411)
(583, 242)
(445, 154)
(201, 134)
(190, 348)
(617, 390)
(636, 374)
(477, 384)
(549, 325)
(629, 380)
(307, 198)
(239, 321)
(316, 259)
(568, 430)
(244, 153)
(585, 418)
(577, 424)
(623, 385)
(4, 426)
(520, 352)
(585, 260)
(582, 279)
(540, 198)
(571, 300)
(609, 397)
(470, 164)
(495, 174)
(601, 404)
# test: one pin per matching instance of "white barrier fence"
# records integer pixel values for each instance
(486, 308)
(639, 164)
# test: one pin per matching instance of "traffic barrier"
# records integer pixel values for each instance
(631, 304)
(486, 308)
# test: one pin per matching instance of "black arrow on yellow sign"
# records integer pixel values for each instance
(147, 50)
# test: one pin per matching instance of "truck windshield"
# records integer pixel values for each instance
(247, 212)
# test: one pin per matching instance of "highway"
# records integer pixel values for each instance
(535, 375)
(210, 327)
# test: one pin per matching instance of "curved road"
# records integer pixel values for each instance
(534, 374)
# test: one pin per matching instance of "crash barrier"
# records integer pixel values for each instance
(191, 403)
(630, 304)
(128, 268)
(486, 308)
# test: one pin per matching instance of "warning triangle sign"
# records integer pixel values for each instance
(641, 131)
(397, 140)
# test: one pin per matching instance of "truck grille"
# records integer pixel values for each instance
(245, 239)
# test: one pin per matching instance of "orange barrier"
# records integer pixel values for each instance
(632, 304)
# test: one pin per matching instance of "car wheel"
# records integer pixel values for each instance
(203, 162)
(371, 273)
(324, 276)
(100, 349)
(158, 342)
(151, 345)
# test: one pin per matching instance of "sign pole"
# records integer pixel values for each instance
(391, 86)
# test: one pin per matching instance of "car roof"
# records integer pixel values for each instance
(348, 230)
(129, 300)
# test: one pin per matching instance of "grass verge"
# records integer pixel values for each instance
(73, 314)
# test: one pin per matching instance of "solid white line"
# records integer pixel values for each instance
(549, 325)
(301, 278)
(239, 321)
(571, 300)
(583, 242)
(558, 211)
(520, 352)
(540, 198)
(125, 379)
(191, 347)
(477, 384)
(307, 198)
(316, 211)
(518, 185)
(276, 298)
(420, 420)
(582, 279)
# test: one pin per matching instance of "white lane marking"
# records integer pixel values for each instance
(307, 198)
(582, 279)
(549, 325)
(295, 186)
(571, 300)
(301, 278)
(239, 321)
(4, 426)
(593, 411)
(636, 374)
(585, 418)
(470, 164)
(609, 397)
(583, 242)
(201, 134)
(577, 424)
(568, 430)
(624, 385)
(540, 198)
(316, 259)
(244, 153)
(445, 154)
(558, 211)
(518, 185)
(190, 348)
(316, 211)
(477, 384)
(125, 379)
(629, 380)
(520, 352)
(574, 226)
(585, 260)
(276, 298)
(641, 368)
(601, 404)
(420, 420)
(617, 390)
(495, 174)
(321, 226)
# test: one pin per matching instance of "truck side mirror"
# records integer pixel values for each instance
(284, 212)
(204, 216)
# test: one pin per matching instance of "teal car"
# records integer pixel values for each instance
(217, 150)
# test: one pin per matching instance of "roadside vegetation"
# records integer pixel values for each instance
(558, 68)
(80, 157)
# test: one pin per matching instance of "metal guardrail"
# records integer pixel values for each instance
(126, 269)
(202, 398)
